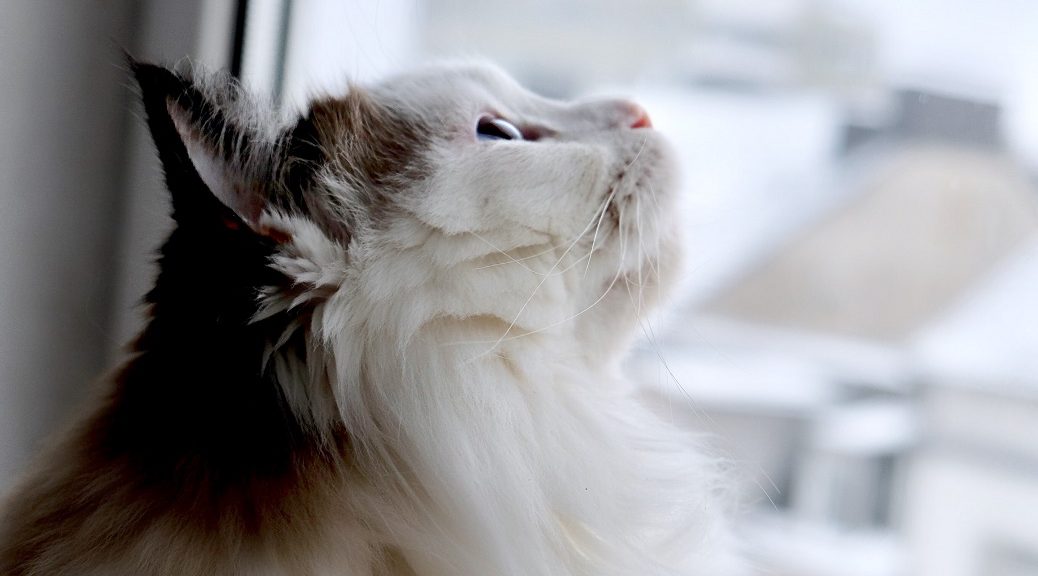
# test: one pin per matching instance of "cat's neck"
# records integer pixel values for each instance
(196, 391)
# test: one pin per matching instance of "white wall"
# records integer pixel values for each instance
(166, 32)
(331, 42)
(82, 206)
(63, 107)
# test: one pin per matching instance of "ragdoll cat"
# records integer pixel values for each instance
(385, 340)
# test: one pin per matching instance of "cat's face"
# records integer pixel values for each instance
(551, 175)
(458, 164)
(522, 170)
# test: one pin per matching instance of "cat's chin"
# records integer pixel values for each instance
(619, 305)
(641, 270)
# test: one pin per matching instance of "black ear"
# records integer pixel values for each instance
(216, 164)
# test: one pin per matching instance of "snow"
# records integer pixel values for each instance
(992, 334)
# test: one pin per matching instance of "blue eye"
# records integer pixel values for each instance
(490, 128)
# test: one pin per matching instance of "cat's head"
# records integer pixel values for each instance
(450, 191)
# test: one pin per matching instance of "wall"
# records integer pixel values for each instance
(63, 107)
(82, 206)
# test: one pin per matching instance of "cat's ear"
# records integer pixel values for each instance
(216, 163)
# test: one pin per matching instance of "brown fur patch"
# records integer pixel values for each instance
(368, 140)
(87, 511)
(368, 149)
(374, 150)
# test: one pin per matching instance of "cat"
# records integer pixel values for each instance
(385, 339)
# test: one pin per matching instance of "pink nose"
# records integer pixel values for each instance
(641, 117)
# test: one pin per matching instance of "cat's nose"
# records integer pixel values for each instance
(639, 117)
(627, 114)
(615, 113)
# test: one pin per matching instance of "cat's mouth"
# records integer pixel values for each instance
(633, 179)
(640, 199)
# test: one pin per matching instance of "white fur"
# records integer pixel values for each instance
(471, 341)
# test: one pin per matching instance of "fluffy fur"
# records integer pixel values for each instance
(382, 346)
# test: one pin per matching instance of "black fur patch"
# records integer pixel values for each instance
(195, 401)
(189, 193)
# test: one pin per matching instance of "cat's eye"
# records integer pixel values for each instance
(491, 128)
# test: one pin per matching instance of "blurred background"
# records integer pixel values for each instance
(857, 329)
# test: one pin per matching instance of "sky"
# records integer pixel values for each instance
(986, 49)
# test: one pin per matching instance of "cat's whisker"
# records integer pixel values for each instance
(638, 154)
(511, 259)
(647, 331)
(657, 268)
(648, 259)
(650, 336)
(548, 250)
(600, 212)
(573, 265)
(536, 289)
(576, 262)
(619, 274)
(641, 249)
(598, 226)
(653, 262)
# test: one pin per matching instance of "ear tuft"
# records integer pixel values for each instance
(213, 156)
